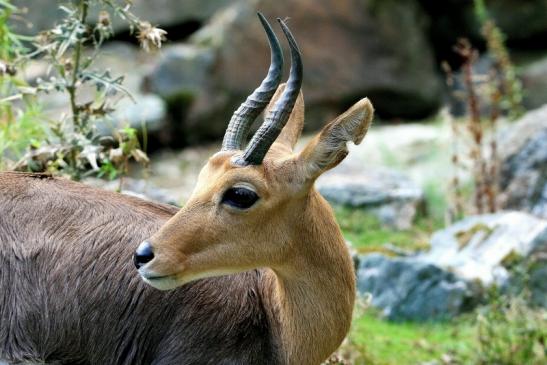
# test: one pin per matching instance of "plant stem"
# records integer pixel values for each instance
(76, 66)
(474, 124)
(493, 175)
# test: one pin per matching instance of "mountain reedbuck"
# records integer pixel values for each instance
(259, 269)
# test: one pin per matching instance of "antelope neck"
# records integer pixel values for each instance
(312, 294)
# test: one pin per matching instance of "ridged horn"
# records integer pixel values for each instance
(245, 115)
(279, 114)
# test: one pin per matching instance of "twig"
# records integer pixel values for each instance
(76, 64)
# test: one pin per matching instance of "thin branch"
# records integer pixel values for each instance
(76, 64)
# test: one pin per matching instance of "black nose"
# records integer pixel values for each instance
(143, 254)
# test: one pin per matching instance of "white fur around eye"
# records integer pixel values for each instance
(244, 185)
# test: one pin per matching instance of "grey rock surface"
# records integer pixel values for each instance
(464, 259)
(42, 14)
(408, 289)
(476, 247)
(336, 39)
(181, 70)
(533, 278)
(134, 187)
(388, 194)
(522, 22)
(534, 82)
(206, 79)
(538, 284)
(145, 110)
(523, 154)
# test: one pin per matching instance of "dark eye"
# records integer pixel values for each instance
(239, 197)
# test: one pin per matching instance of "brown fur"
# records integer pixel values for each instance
(71, 295)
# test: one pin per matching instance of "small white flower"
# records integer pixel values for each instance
(150, 37)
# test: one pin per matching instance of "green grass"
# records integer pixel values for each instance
(505, 331)
(19, 130)
(375, 341)
(379, 342)
(367, 234)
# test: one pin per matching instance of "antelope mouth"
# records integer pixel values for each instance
(161, 282)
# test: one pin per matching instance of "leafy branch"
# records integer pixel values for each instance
(72, 145)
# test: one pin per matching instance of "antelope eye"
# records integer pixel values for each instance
(239, 197)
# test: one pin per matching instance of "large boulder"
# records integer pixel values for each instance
(522, 22)
(478, 247)
(523, 150)
(351, 49)
(465, 259)
(43, 14)
(180, 77)
(182, 69)
(532, 74)
(534, 82)
(134, 187)
(408, 289)
(387, 194)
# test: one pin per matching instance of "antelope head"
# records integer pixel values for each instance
(251, 200)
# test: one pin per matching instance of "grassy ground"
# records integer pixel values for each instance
(374, 341)
(387, 343)
(379, 342)
(367, 234)
(505, 331)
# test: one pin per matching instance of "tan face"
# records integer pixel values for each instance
(238, 218)
(241, 218)
(247, 206)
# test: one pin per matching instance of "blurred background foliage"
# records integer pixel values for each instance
(444, 205)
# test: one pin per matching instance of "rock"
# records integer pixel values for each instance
(477, 248)
(354, 255)
(464, 260)
(350, 50)
(458, 102)
(142, 109)
(387, 194)
(538, 285)
(176, 173)
(180, 77)
(523, 154)
(42, 14)
(180, 72)
(534, 82)
(531, 273)
(146, 109)
(533, 76)
(407, 289)
(523, 23)
(134, 187)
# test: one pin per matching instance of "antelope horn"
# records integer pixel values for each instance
(279, 114)
(244, 116)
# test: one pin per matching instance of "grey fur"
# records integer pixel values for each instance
(69, 293)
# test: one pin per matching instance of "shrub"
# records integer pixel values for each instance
(71, 144)
(511, 333)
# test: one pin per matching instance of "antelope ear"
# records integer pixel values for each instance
(328, 148)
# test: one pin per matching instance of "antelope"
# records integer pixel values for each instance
(252, 270)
